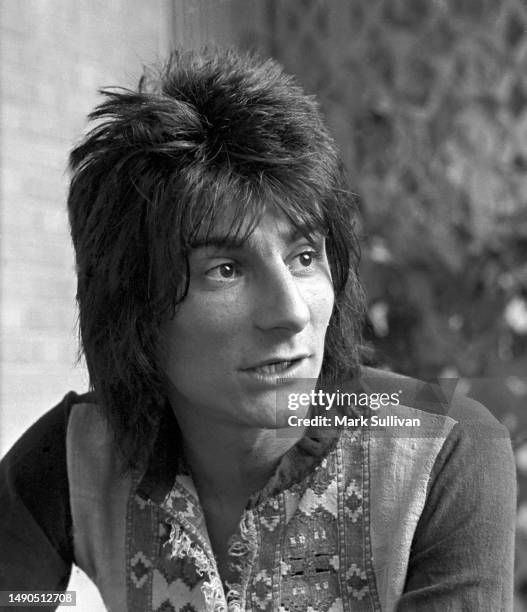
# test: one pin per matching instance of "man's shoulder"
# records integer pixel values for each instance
(52, 425)
(441, 397)
(34, 482)
(436, 427)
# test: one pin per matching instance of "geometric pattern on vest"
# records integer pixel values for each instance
(305, 548)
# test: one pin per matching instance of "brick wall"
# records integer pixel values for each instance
(55, 54)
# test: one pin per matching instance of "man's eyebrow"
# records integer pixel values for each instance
(308, 233)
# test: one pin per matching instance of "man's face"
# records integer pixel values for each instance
(255, 313)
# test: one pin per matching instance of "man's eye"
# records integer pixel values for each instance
(225, 271)
(306, 259)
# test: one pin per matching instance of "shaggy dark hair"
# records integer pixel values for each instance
(151, 179)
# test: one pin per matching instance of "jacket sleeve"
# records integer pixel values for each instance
(35, 517)
(463, 547)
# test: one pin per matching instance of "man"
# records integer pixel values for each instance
(217, 275)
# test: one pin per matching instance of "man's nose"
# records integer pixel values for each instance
(281, 303)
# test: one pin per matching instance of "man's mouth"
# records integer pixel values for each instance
(275, 368)
(272, 367)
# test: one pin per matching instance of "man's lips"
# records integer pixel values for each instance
(275, 365)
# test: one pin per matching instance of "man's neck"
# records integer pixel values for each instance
(229, 461)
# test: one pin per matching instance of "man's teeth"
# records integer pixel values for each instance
(274, 368)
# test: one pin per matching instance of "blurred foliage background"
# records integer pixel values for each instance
(428, 102)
